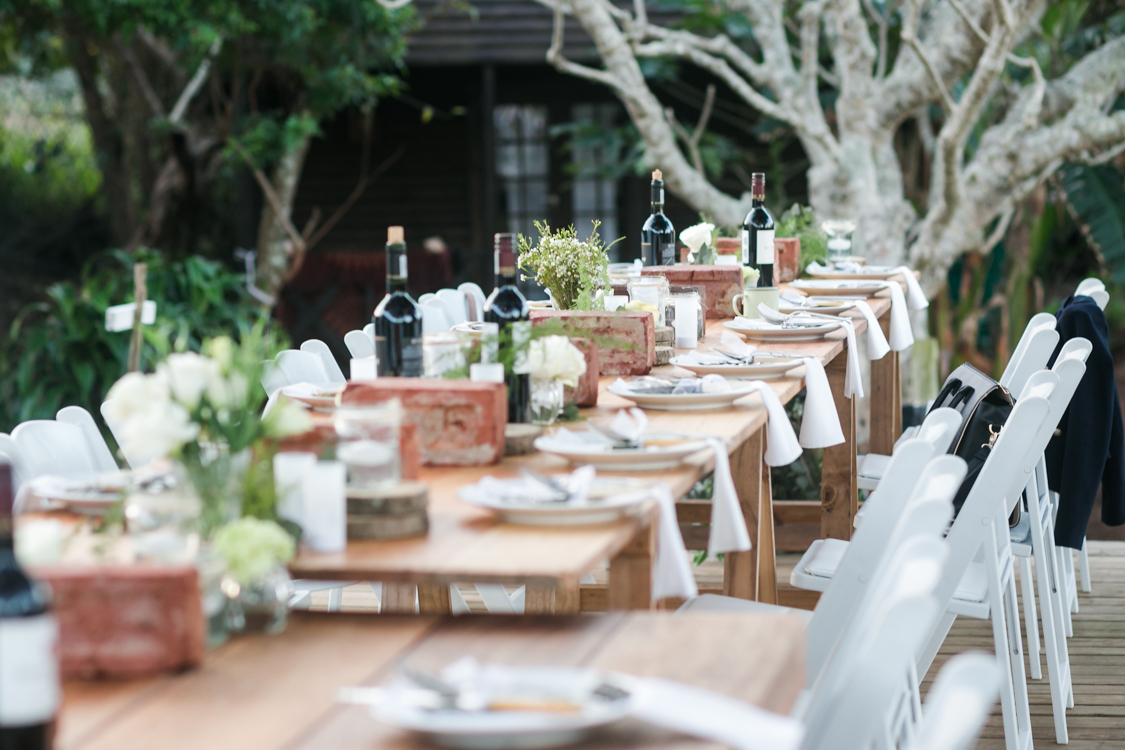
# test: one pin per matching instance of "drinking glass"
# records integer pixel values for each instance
(651, 290)
(442, 352)
(684, 312)
(839, 233)
(369, 443)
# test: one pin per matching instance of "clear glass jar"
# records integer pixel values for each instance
(546, 401)
(650, 290)
(369, 443)
(442, 352)
(684, 312)
(261, 606)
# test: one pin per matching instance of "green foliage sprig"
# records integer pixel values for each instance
(572, 270)
(801, 222)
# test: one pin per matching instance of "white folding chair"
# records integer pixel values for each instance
(302, 367)
(1090, 284)
(49, 447)
(95, 441)
(456, 305)
(435, 318)
(271, 379)
(331, 367)
(10, 451)
(426, 297)
(958, 704)
(979, 580)
(359, 344)
(476, 299)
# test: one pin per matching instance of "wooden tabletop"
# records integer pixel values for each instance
(466, 543)
(267, 692)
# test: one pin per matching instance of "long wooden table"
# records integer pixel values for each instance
(467, 544)
(267, 692)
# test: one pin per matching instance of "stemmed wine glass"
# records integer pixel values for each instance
(839, 233)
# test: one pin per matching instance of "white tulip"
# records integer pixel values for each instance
(188, 376)
(695, 237)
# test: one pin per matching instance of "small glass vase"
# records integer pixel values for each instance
(212, 588)
(219, 480)
(546, 401)
(261, 606)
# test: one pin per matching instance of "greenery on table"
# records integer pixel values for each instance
(57, 352)
(572, 270)
(800, 222)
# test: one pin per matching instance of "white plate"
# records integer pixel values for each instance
(324, 398)
(764, 368)
(821, 287)
(610, 498)
(597, 452)
(826, 305)
(869, 273)
(92, 495)
(777, 333)
(683, 401)
(508, 730)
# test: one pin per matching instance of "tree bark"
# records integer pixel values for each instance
(275, 246)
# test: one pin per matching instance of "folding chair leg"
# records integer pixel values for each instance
(1058, 655)
(1006, 628)
(335, 599)
(1030, 617)
(929, 652)
(1084, 566)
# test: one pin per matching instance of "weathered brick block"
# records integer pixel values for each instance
(586, 393)
(323, 435)
(787, 252)
(720, 283)
(626, 340)
(125, 621)
(456, 422)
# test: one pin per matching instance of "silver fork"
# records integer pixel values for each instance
(620, 442)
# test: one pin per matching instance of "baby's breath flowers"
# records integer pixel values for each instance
(572, 270)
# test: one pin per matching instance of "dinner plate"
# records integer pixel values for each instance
(868, 273)
(662, 450)
(609, 498)
(322, 399)
(826, 305)
(574, 689)
(682, 401)
(764, 367)
(92, 495)
(777, 333)
(821, 287)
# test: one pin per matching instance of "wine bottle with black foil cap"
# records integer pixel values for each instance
(757, 232)
(507, 307)
(658, 237)
(398, 319)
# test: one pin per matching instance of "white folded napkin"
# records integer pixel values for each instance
(528, 490)
(915, 297)
(877, 346)
(304, 390)
(781, 442)
(853, 382)
(709, 715)
(902, 337)
(820, 425)
(671, 570)
(728, 525)
(630, 424)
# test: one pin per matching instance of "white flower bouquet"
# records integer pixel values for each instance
(555, 358)
(573, 271)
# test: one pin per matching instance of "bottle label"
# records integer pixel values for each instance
(412, 366)
(521, 343)
(646, 253)
(396, 265)
(381, 364)
(29, 670)
(765, 247)
(745, 247)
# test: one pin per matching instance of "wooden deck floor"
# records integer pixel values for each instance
(1097, 650)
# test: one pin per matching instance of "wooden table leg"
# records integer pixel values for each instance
(839, 495)
(399, 598)
(630, 572)
(551, 599)
(886, 399)
(752, 575)
(434, 599)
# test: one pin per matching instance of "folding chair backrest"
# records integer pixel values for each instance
(1090, 285)
(867, 548)
(49, 447)
(434, 316)
(271, 379)
(10, 451)
(959, 703)
(95, 441)
(331, 366)
(1001, 478)
(1032, 353)
(478, 299)
(849, 703)
(1100, 296)
(939, 428)
(359, 344)
(302, 367)
(369, 329)
(456, 305)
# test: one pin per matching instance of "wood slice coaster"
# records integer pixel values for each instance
(664, 355)
(665, 336)
(519, 439)
(388, 527)
(404, 497)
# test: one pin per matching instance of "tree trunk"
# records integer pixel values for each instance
(275, 248)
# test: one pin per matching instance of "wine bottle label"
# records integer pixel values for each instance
(765, 247)
(412, 358)
(745, 247)
(29, 670)
(381, 362)
(646, 253)
(521, 341)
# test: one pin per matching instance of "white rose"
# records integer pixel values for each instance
(286, 418)
(188, 375)
(230, 392)
(158, 431)
(135, 393)
(555, 358)
(697, 236)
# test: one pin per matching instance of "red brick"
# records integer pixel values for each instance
(323, 436)
(586, 393)
(124, 621)
(720, 282)
(456, 422)
(788, 258)
(636, 332)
